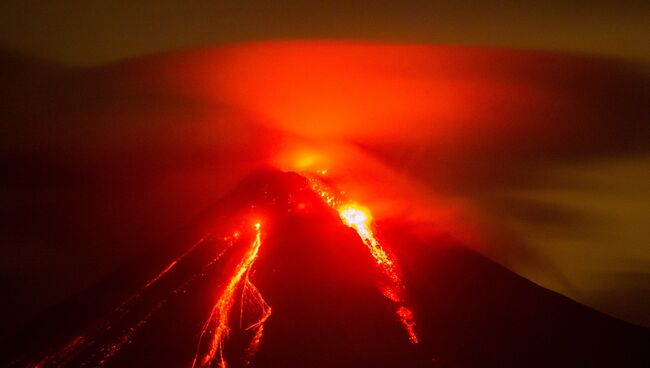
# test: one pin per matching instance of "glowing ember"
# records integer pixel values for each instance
(359, 218)
(219, 318)
(406, 317)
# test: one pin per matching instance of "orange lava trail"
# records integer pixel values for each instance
(173, 263)
(110, 349)
(87, 341)
(219, 318)
(63, 353)
(359, 218)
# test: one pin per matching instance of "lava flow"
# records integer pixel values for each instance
(98, 343)
(219, 318)
(101, 345)
(359, 218)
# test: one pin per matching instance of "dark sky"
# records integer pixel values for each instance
(83, 32)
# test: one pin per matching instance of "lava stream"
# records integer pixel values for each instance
(90, 339)
(359, 218)
(219, 317)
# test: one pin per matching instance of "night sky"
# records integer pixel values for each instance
(88, 32)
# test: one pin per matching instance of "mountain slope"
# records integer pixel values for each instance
(325, 308)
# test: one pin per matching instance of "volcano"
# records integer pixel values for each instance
(277, 274)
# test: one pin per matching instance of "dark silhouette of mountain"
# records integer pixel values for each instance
(317, 276)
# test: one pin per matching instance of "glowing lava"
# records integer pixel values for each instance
(91, 340)
(359, 218)
(98, 345)
(219, 318)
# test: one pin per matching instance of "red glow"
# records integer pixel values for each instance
(239, 288)
(359, 218)
(355, 91)
(219, 319)
(362, 114)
